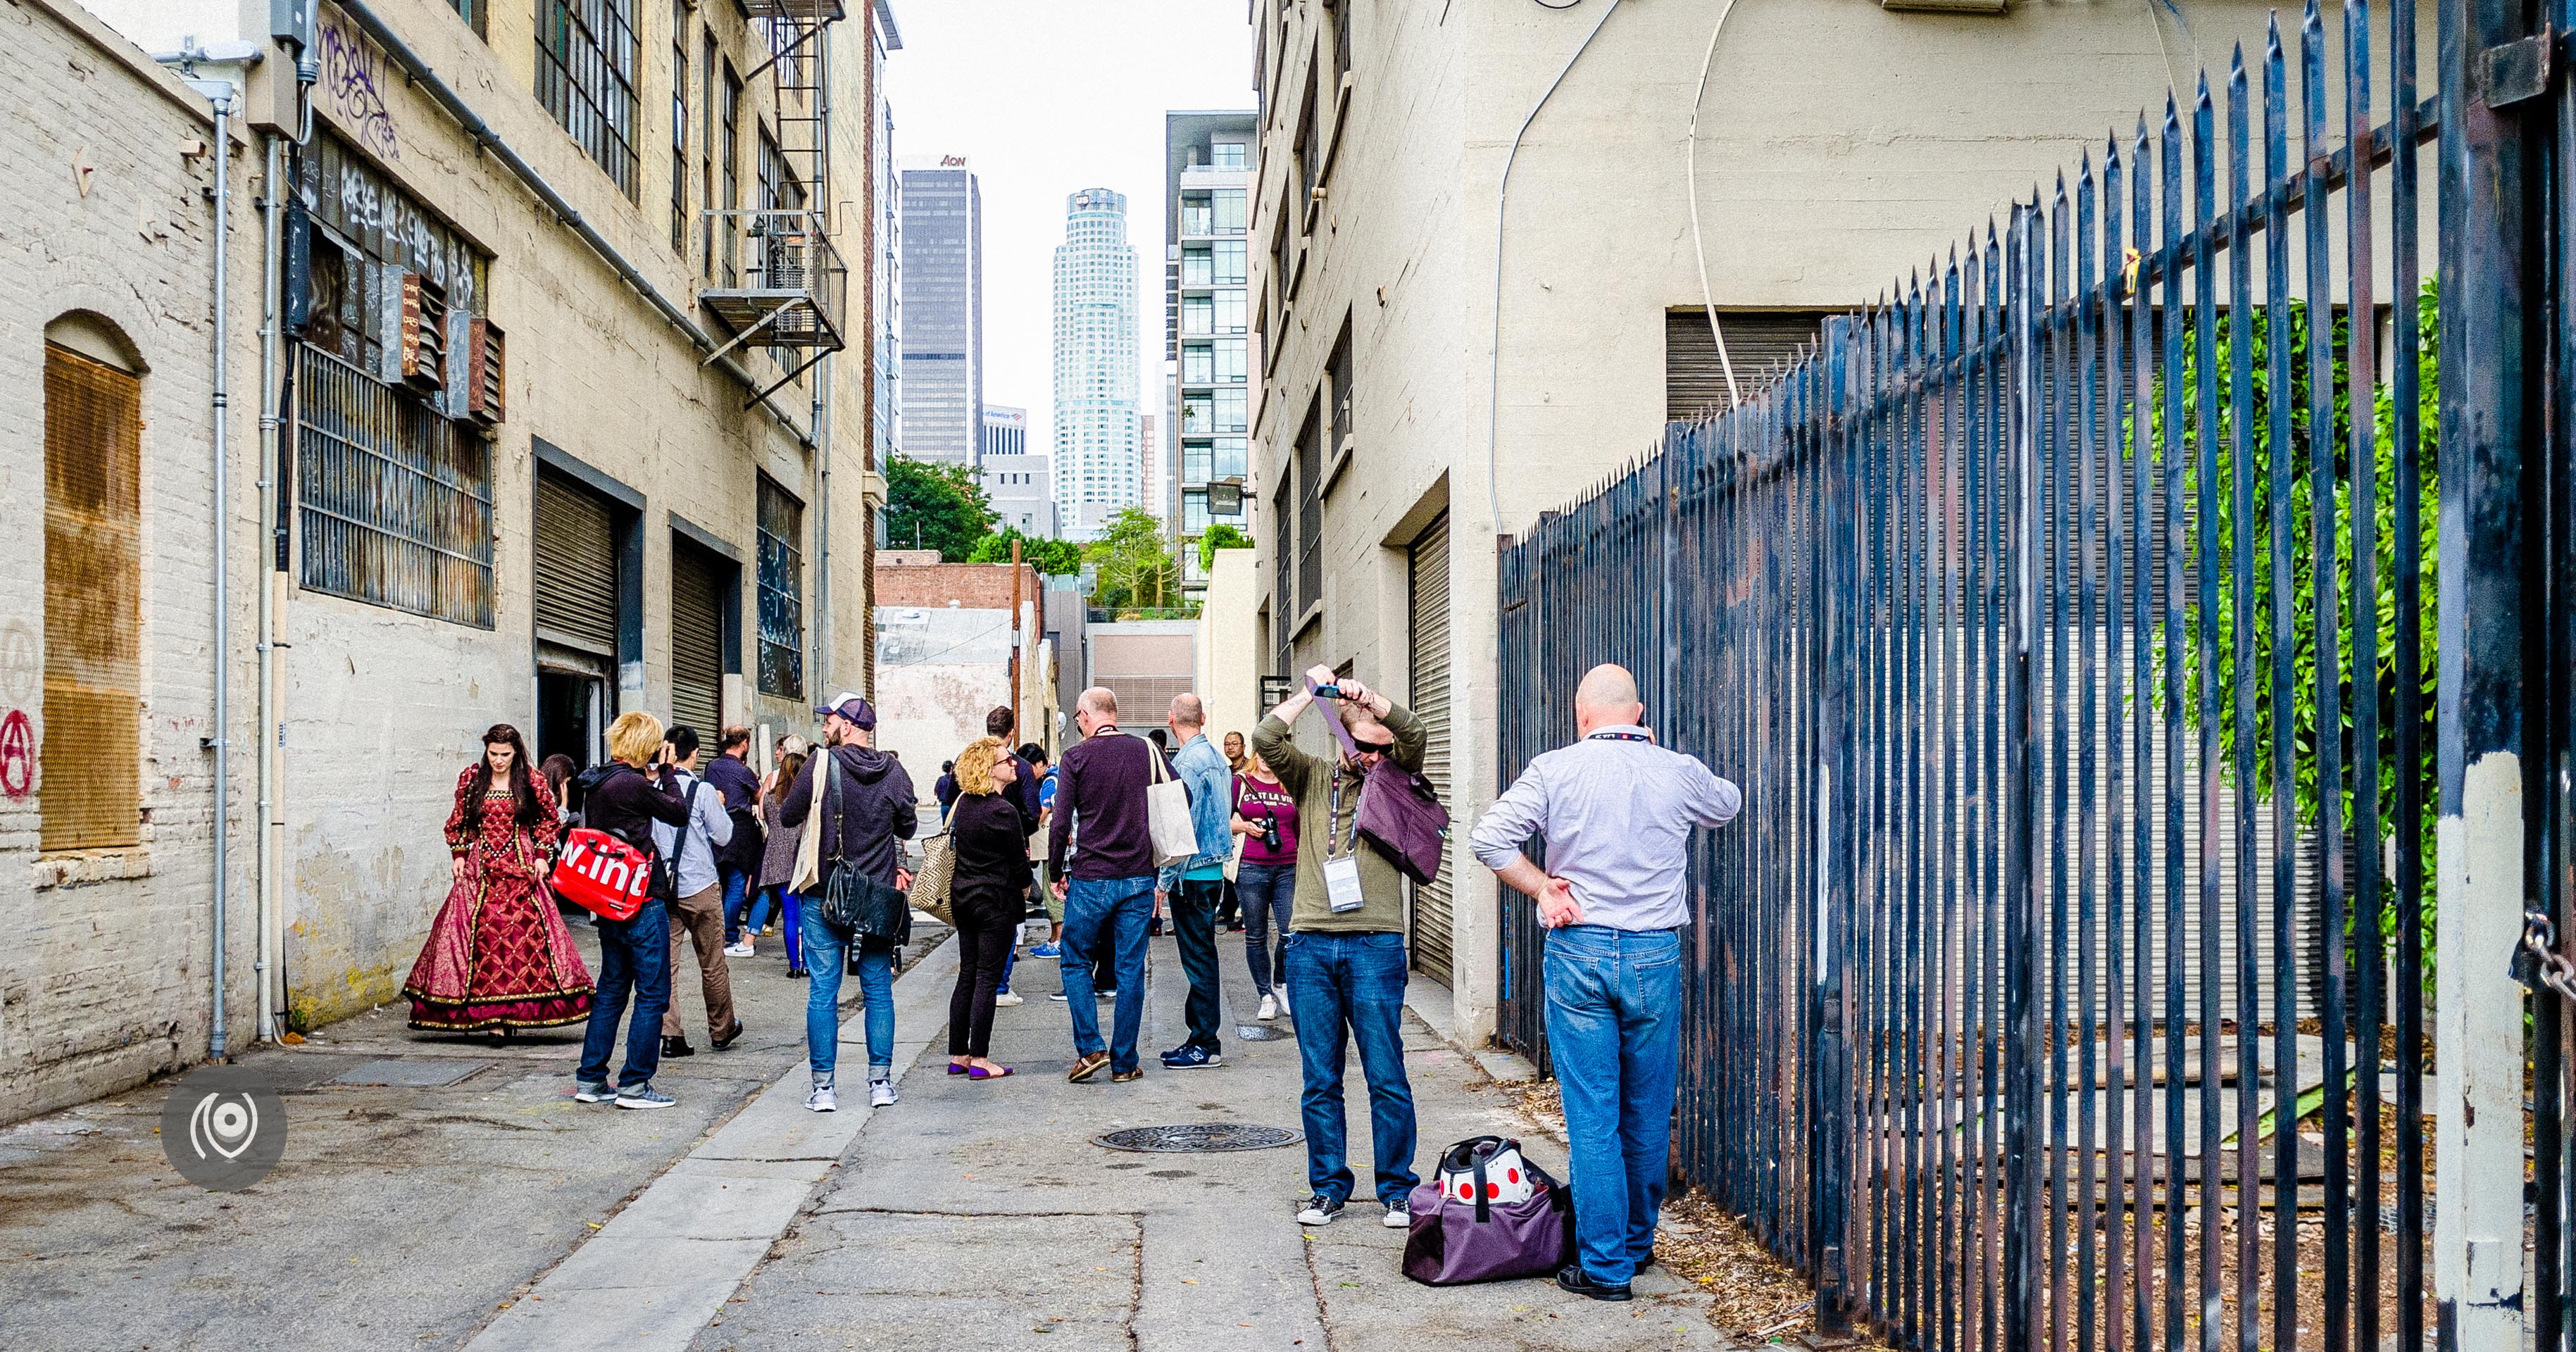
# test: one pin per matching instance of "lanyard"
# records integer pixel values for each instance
(1619, 737)
(1333, 828)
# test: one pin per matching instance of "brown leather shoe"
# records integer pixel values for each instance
(1124, 1076)
(1088, 1066)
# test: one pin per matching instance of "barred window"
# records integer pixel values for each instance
(586, 54)
(782, 593)
(393, 501)
(729, 146)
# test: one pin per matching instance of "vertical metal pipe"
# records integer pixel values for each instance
(271, 432)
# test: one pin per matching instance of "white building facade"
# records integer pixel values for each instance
(1098, 466)
(1021, 486)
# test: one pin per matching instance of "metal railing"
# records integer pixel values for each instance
(788, 286)
(2070, 622)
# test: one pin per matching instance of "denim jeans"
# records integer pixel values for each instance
(737, 899)
(1268, 892)
(1351, 987)
(634, 956)
(1614, 1032)
(1110, 914)
(826, 952)
(787, 904)
(1194, 932)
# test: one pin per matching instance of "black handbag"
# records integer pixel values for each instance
(854, 903)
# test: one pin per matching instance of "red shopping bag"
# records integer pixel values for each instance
(602, 874)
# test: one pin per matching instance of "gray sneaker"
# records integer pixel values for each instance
(601, 1092)
(644, 1096)
(881, 1094)
(822, 1099)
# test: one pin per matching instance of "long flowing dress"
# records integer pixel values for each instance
(498, 955)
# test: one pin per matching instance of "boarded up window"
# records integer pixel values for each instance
(93, 611)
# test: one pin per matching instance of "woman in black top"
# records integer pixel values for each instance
(987, 895)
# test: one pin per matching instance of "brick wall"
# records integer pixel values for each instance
(975, 586)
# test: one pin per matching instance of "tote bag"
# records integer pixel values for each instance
(1167, 812)
(930, 886)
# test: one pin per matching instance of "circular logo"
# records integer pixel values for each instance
(224, 1128)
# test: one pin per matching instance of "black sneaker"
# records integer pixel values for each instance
(1320, 1210)
(1573, 1278)
(1192, 1057)
(677, 1046)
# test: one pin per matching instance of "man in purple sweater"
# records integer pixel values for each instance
(1106, 880)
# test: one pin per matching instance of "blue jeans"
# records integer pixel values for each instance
(785, 903)
(634, 956)
(1268, 891)
(1351, 986)
(1614, 1031)
(737, 896)
(827, 951)
(1111, 912)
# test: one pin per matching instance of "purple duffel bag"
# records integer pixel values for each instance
(1454, 1241)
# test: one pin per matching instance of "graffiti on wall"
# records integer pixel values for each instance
(17, 754)
(352, 86)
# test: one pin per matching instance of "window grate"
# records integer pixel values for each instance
(782, 593)
(394, 502)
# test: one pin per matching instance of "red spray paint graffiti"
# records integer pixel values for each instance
(17, 754)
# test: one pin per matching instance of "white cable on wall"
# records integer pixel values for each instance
(1502, 197)
(1690, 162)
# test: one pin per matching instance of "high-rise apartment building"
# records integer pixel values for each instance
(886, 288)
(1097, 465)
(1208, 164)
(1153, 481)
(943, 310)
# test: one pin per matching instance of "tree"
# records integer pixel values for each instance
(1220, 536)
(1133, 564)
(943, 507)
(1054, 558)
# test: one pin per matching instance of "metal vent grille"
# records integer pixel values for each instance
(93, 528)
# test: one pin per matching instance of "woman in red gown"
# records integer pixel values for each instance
(498, 956)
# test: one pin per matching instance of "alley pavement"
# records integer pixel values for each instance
(494, 1211)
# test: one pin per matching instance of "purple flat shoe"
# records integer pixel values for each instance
(979, 1073)
(956, 1069)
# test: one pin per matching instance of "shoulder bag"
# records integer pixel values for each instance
(930, 885)
(1167, 811)
(853, 902)
(1399, 813)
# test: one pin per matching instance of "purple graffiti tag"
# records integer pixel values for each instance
(352, 74)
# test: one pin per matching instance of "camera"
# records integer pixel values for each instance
(1270, 834)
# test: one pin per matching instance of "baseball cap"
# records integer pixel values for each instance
(848, 705)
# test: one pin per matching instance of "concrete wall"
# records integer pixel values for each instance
(107, 977)
(1229, 646)
(1145, 663)
(940, 670)
(1842, 145)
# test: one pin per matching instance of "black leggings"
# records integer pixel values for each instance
(988, 915)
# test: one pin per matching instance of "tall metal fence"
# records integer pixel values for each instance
(2071, 621)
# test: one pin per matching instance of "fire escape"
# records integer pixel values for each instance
(780, 282)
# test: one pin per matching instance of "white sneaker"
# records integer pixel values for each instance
(822, 1100)
(1269, 1008)
(881, 1094)
(1284, 1010)
(1399, 1214)
(740, 950)
(1006, 999)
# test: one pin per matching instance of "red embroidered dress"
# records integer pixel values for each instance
(498, 954)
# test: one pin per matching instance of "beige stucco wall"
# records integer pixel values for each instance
(106, 979)
(1842, 146)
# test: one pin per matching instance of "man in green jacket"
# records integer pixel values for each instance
(1345, 947)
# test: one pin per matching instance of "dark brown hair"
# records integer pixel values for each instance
(521, 786)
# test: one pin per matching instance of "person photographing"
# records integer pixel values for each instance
(1345, 948)
(1616, 813)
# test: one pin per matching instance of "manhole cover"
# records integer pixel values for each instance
(1259, 1032)
(409, 1074)
(1194, 1137)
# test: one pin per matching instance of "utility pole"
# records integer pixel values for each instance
(1015, 631)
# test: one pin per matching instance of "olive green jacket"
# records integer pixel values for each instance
(1311, 778)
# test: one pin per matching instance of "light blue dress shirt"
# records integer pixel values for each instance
(1616, 811)
(693, 854)
(1211, 783)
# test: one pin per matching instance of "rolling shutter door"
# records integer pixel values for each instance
(576, 569)
(1429, 687)
(1761, 343)
(697, 639)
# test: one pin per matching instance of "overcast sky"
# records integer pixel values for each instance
(1046, 97)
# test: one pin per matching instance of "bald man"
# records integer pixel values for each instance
(1100, 854)
(1197, 883)
(1616, 813)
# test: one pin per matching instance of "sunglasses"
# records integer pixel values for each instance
(1375, 748)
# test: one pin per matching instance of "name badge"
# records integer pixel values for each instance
(1342, 884)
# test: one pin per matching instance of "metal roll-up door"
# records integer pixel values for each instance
(576, 568)
(697, 638)
(1429, 687)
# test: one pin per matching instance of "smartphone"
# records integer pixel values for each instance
(1328, 692)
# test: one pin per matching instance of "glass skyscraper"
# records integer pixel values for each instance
(1097, 465)
(1207, 166)
(943, 311)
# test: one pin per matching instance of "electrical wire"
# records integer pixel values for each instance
(1502, 199)
(1690, 174)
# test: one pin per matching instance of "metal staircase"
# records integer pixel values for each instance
(789, 288)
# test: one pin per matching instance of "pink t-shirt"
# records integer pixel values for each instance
(1256, 801)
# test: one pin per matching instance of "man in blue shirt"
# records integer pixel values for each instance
(1197, 884)
(1616, 812)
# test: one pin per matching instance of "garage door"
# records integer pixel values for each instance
(697, 638)
(1429, 685)
(576, 568)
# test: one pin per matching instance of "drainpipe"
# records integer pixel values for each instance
(224, 94)
(272, 283)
